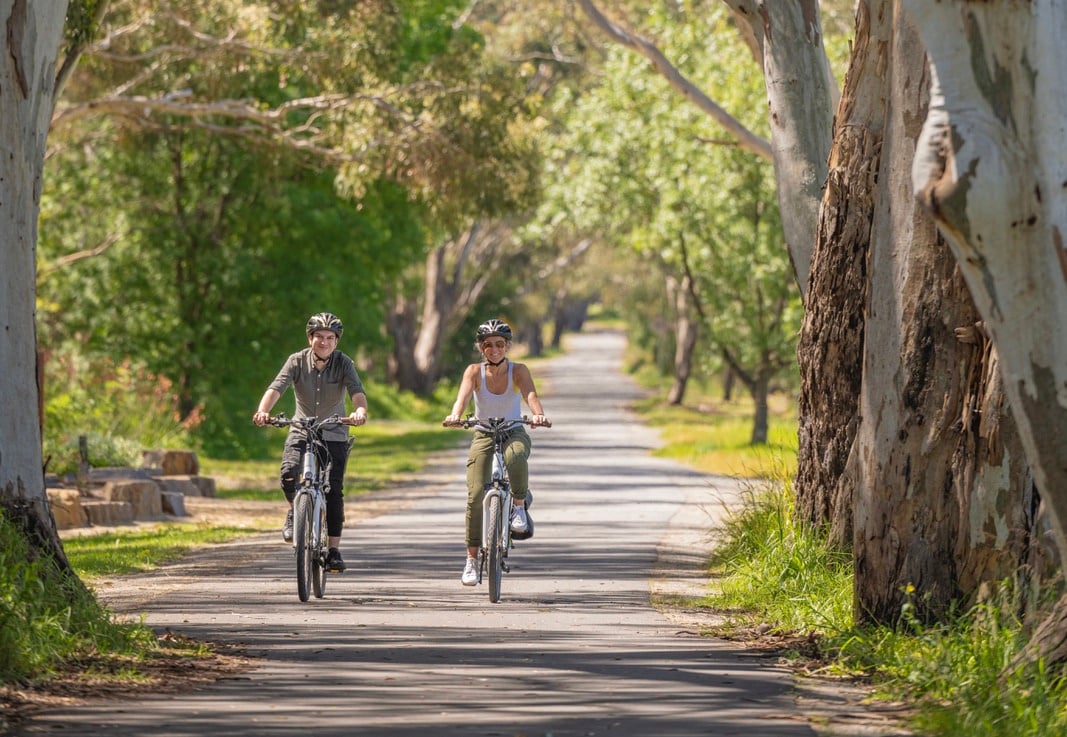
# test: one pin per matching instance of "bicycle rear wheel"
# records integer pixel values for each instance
(495, 554)
(302, 538)
(319, 563)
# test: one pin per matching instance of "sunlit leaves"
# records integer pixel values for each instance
(643, 168)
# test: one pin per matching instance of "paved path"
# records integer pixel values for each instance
(399, 648)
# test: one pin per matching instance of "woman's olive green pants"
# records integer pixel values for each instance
(480, 471)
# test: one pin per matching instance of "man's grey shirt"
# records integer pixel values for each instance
(319, 393)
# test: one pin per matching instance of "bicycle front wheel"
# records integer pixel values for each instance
(319, 562)
(302, 538)
(495, 541)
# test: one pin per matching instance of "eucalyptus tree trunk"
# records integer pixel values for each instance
(453, 276)
(686, 329)
(937, 496)
(801, 93)
(33, 32)
(830, 349)
(991, 168)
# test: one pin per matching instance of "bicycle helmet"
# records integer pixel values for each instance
(493, 327)
(325, 321)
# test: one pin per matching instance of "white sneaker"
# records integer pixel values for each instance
(470, 573)
(518, 519)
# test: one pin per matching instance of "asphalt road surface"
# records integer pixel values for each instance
(399, 648)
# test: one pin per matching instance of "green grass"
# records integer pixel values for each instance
(713, 435)
(772, 573)
(963, 677)
(117, 553)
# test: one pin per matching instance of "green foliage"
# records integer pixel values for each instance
(662, 181)
(121, 409)
(231, 273)
(48, 618)
(200, 255)
(79, 28)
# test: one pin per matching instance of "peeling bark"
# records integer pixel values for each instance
(830, 350)
(991, 168)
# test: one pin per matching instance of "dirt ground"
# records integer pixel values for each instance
(836, 707)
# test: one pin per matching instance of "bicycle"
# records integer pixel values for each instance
(310, 537)
(497, 503)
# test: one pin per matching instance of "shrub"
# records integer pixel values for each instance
(47, 617)
(119, 408)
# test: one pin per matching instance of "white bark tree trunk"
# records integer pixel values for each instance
(32, 35)
(901, 433)
(786, 38)
(801, 96)
(991, 166)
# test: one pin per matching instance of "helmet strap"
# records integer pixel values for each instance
(502, 360)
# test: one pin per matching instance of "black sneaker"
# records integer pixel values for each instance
(287, 528)
(334, 562)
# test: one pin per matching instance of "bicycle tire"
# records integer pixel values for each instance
(303, 539)
(319, 563)
(495, 554)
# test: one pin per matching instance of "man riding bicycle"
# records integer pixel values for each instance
(499, 387)
(320, 376)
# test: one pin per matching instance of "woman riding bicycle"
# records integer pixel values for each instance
(320, 375)
(498, 387)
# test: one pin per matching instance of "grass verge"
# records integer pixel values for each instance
(120, 553)
(963, 677)
(714, 435)
(48, 619)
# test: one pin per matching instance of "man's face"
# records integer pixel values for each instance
(323, 342)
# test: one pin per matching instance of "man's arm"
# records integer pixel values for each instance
(359, 408)
(266, 404)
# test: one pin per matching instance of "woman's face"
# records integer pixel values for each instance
(494, 348)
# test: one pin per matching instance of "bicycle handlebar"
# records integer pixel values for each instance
(493, 423)
(308, 423)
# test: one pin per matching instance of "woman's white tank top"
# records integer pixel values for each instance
(507, 405)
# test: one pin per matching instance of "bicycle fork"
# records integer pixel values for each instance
(308, 479)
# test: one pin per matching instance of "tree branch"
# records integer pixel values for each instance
(71, 258)
(748, 140)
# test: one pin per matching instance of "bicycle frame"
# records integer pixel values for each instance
(497, 504)
(317, 485)
(499, 487)
(309, 505)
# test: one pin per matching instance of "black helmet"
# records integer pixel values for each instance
(494, 327)
(325, 321)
